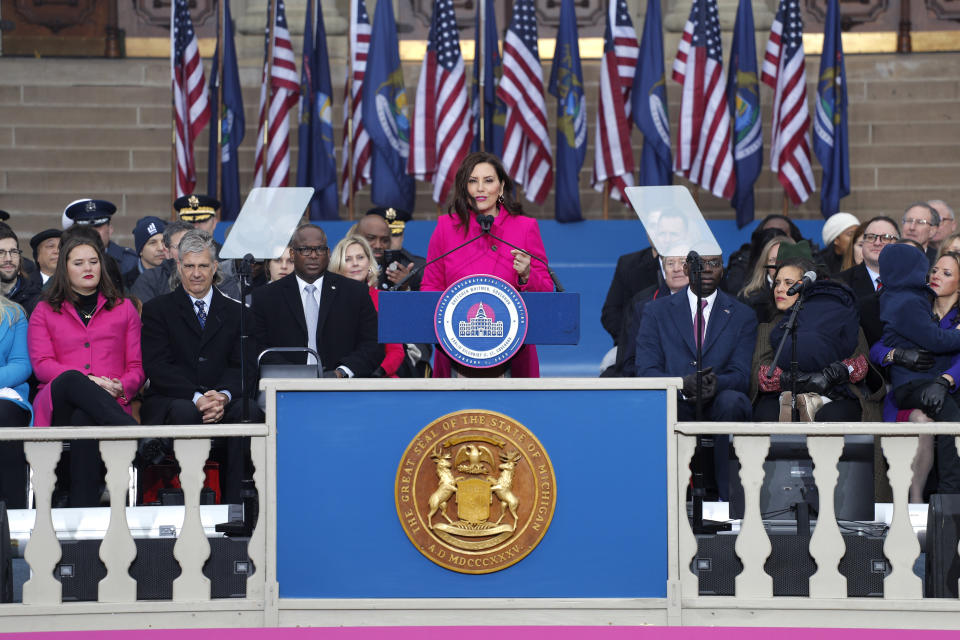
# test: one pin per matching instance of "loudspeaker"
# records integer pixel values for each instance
(80, 568)
(790, 564)
(6, 557)
(942, 563)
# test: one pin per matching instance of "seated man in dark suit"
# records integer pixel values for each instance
(667, 347)
(191, 353)
(864, 278)
(315, 308)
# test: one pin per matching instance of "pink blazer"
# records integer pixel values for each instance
(487, 256)
(108, 346)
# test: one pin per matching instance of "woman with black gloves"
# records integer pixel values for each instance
(831, 354)
(909, 325)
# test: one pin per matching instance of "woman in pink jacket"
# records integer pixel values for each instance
(483, 188)
(84, 342)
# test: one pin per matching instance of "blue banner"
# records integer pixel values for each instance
(649, 103)
(494, 111)
(316, 163)
(743, 98)
(385, 115)
(231, 123)
(830, 124)
(566, 83)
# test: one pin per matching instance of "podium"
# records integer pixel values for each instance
(409, 316)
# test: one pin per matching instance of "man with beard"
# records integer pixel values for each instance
(14, 284)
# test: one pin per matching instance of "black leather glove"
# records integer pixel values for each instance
(709, 387)
(915, 359)
(689, 390)
(823, 381)
(933, 395)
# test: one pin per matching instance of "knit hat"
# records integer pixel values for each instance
(837, 224)
(146, 228)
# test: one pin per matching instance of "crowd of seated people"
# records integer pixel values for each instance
(92, 333)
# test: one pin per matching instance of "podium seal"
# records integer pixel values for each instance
(480, 321)
(475, 491)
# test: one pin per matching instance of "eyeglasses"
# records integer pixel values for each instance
(307, 251)
(713, 263)
(13, 253)
(918, 221)
(885, 238)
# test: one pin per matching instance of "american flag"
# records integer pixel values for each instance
(613, 154)
(271, 165)
(526, 145)
(703, 133)
(190, 107)
(441, 133)
(784, 70)
(359, 155)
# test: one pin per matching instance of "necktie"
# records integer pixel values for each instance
(311, 311)
(700, 323)
(201, 312)
(879, 284)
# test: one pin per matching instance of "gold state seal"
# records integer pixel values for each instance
(475, 491)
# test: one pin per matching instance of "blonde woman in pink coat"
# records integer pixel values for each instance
(483, 188)
(84, 343)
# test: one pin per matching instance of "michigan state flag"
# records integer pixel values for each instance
(743, 99)
(649, 103)
(316, 163)
(566, 83)
(385, 115)
(830, 125)
(231, 123)
(494, 111)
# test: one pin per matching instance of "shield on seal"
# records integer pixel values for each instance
(473, 500)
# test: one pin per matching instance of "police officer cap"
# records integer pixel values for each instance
(4, 215)
(89, 212)
(396, 218)
(196, 207)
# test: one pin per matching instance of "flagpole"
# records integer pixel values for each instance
(221, 14)
(606, 200)
(481, 57)
(348, 105)
(786, 203)
(173, 161)
(269, 95)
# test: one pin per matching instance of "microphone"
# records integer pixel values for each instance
(485, 222)
(808, 278)
(692, 257)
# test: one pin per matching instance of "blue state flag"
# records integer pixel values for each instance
(316, 163)
(385, 115)
(743, 99)
(830, 124)
(494, 111)
(231, 123)
(648, 102)
(566, 83)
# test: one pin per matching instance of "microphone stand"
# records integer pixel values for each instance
(696, 273)
(244, 272)
(698, 493)
(794, 365)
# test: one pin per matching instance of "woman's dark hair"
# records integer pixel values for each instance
(953, 255)
(60, 290)
(463, 205)
(804, 264)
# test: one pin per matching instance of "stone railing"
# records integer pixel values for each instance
(116, 605)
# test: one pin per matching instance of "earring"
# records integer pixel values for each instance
(500, 200)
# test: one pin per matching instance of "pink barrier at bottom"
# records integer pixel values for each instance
(497, 633)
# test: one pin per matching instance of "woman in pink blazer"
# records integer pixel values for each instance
(483, 188)
(84, 343)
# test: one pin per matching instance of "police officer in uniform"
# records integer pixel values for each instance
(203, 212)
(98, 214)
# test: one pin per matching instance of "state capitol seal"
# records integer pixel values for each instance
(475, 491)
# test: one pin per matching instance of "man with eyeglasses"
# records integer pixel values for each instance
(864, 278)
(14, 284)
(920, 224)
(727, 331)
(316, 309)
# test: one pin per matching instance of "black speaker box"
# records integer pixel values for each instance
(6, 557)
(790, 564)
(942, 562)
(80, 568)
